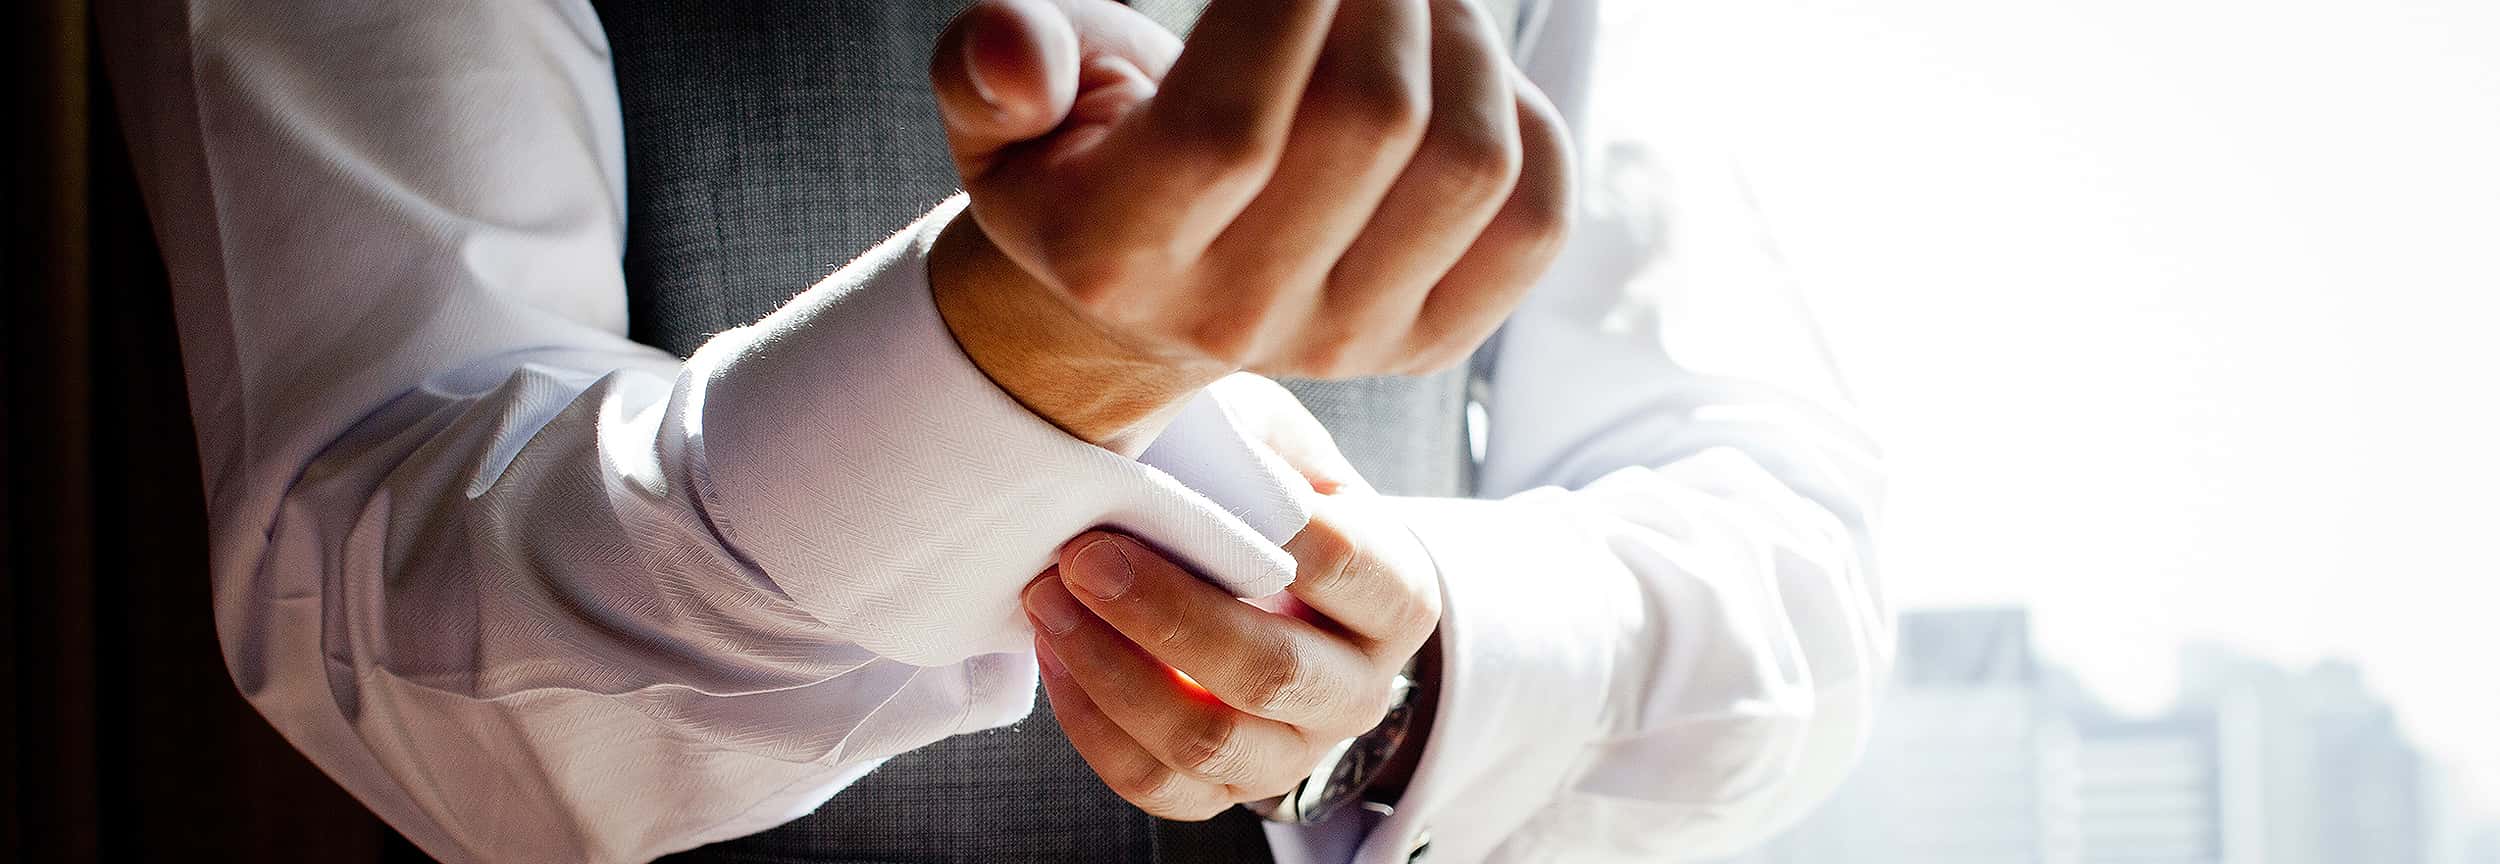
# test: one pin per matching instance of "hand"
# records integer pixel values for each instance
(1314, 187)
(1266, 685)
(1266, 690)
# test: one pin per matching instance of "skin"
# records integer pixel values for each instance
(1266, 693)
(1316, 188)
(1264, 687)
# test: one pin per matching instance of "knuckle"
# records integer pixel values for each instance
(1226, 139)
(1090, 286)
(1355, 716)
(1414, 613)
(1281, 684)
(1476, 159)
(1542, 207)
(1536, 223)
(1456, 13)
(1378, 104)
(1171, 630)
(1092, 275)
(1231, 338)
(1539, 121)
(1421, 351)
(1362, 716)
(1327, 553)
(1158, 790)
(1213, 749)
(1340, 356)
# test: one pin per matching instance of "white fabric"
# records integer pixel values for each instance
(1664, 641)
(534, 592)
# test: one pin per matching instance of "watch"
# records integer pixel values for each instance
(1348, 769)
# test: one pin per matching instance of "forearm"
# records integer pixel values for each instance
(529, 590)
(507, 621)
(502, 620)
(708, 576)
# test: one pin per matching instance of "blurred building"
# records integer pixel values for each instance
(1967, 763)
(2149, 791)
(2483, 846)
(2317, 766)
(1983, 754)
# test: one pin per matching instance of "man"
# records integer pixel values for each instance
(534, 591)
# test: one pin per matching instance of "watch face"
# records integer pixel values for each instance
(1363, 759)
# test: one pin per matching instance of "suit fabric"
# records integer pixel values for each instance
(766, 143)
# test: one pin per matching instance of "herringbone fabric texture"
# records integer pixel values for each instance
(766, 144)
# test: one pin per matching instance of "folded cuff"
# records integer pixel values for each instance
(882, 482)
(1532, 611)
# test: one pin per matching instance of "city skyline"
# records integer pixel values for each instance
(1986, 752)
(2474, 789)
(2170, 350)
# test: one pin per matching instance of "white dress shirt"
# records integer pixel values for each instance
(534, 592)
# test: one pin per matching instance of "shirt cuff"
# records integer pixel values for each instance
(1532, 612)
(878, 479)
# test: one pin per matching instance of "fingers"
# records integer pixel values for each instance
(1005, 71)
(1117, 30)
(1118, 759)
(1368, 575)
(1190, 732)
(1514, 250)
(1303, 188)
(1216, 127)
(1359, 121)
(1231, 95)
(1461, 174)
(1271, 666)
(1123, 55)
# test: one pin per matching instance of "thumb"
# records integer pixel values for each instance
(1005, 72)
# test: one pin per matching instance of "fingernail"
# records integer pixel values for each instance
(1101, 569)
(975, 45)
(1049, 660)
(1053, 608)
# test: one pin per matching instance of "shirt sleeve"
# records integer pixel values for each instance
(532, 591)
(1663, 634)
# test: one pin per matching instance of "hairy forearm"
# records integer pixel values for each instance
(1058, 364)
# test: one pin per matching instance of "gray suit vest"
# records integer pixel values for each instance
(766, 144)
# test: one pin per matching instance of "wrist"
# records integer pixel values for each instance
(1057, 363)
(1371, 769)
(1391, 784)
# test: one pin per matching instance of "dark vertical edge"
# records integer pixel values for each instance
(52, 793)
(158, 755)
